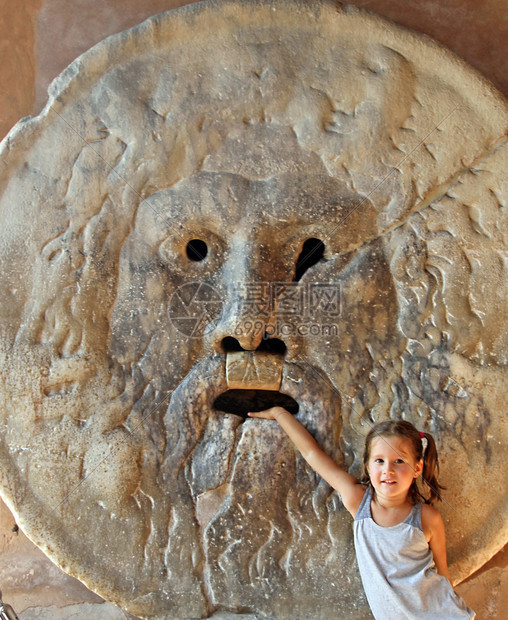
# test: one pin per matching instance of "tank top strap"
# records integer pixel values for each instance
(363, 511)
(414, 518)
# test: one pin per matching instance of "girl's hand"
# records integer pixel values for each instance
(268, 414)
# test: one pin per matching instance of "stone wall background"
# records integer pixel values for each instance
(38, 39)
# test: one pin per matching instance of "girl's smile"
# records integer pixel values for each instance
(392, 466)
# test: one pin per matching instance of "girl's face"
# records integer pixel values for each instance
(392, 466)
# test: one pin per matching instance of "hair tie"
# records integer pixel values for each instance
(425, 443)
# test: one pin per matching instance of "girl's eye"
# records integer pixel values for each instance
(378, 461)
(399, 461)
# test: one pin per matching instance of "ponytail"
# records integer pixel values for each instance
(430, 470)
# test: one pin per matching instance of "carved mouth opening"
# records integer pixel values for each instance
(240, 402)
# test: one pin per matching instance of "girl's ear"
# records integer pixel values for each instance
(418, 468)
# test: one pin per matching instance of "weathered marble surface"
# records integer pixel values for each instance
(282, 122)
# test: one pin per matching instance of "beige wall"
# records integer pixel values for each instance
(39, 38)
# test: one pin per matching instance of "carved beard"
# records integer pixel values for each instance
(239, 490)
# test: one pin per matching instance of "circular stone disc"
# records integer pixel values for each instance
(246, 129)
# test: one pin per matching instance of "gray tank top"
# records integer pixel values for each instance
(398, 572)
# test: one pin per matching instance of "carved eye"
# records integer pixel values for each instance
(204, 253)
(312, 252)
(196, 250)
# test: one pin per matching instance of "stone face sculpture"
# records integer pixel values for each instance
(243, 200)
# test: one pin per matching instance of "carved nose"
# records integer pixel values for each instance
(248, 311)
(237, 331)
(267, 345)
(249, 334)
(248, 276)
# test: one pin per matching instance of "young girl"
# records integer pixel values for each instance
(399, 537)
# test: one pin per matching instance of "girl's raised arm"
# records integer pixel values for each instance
(347, 486)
